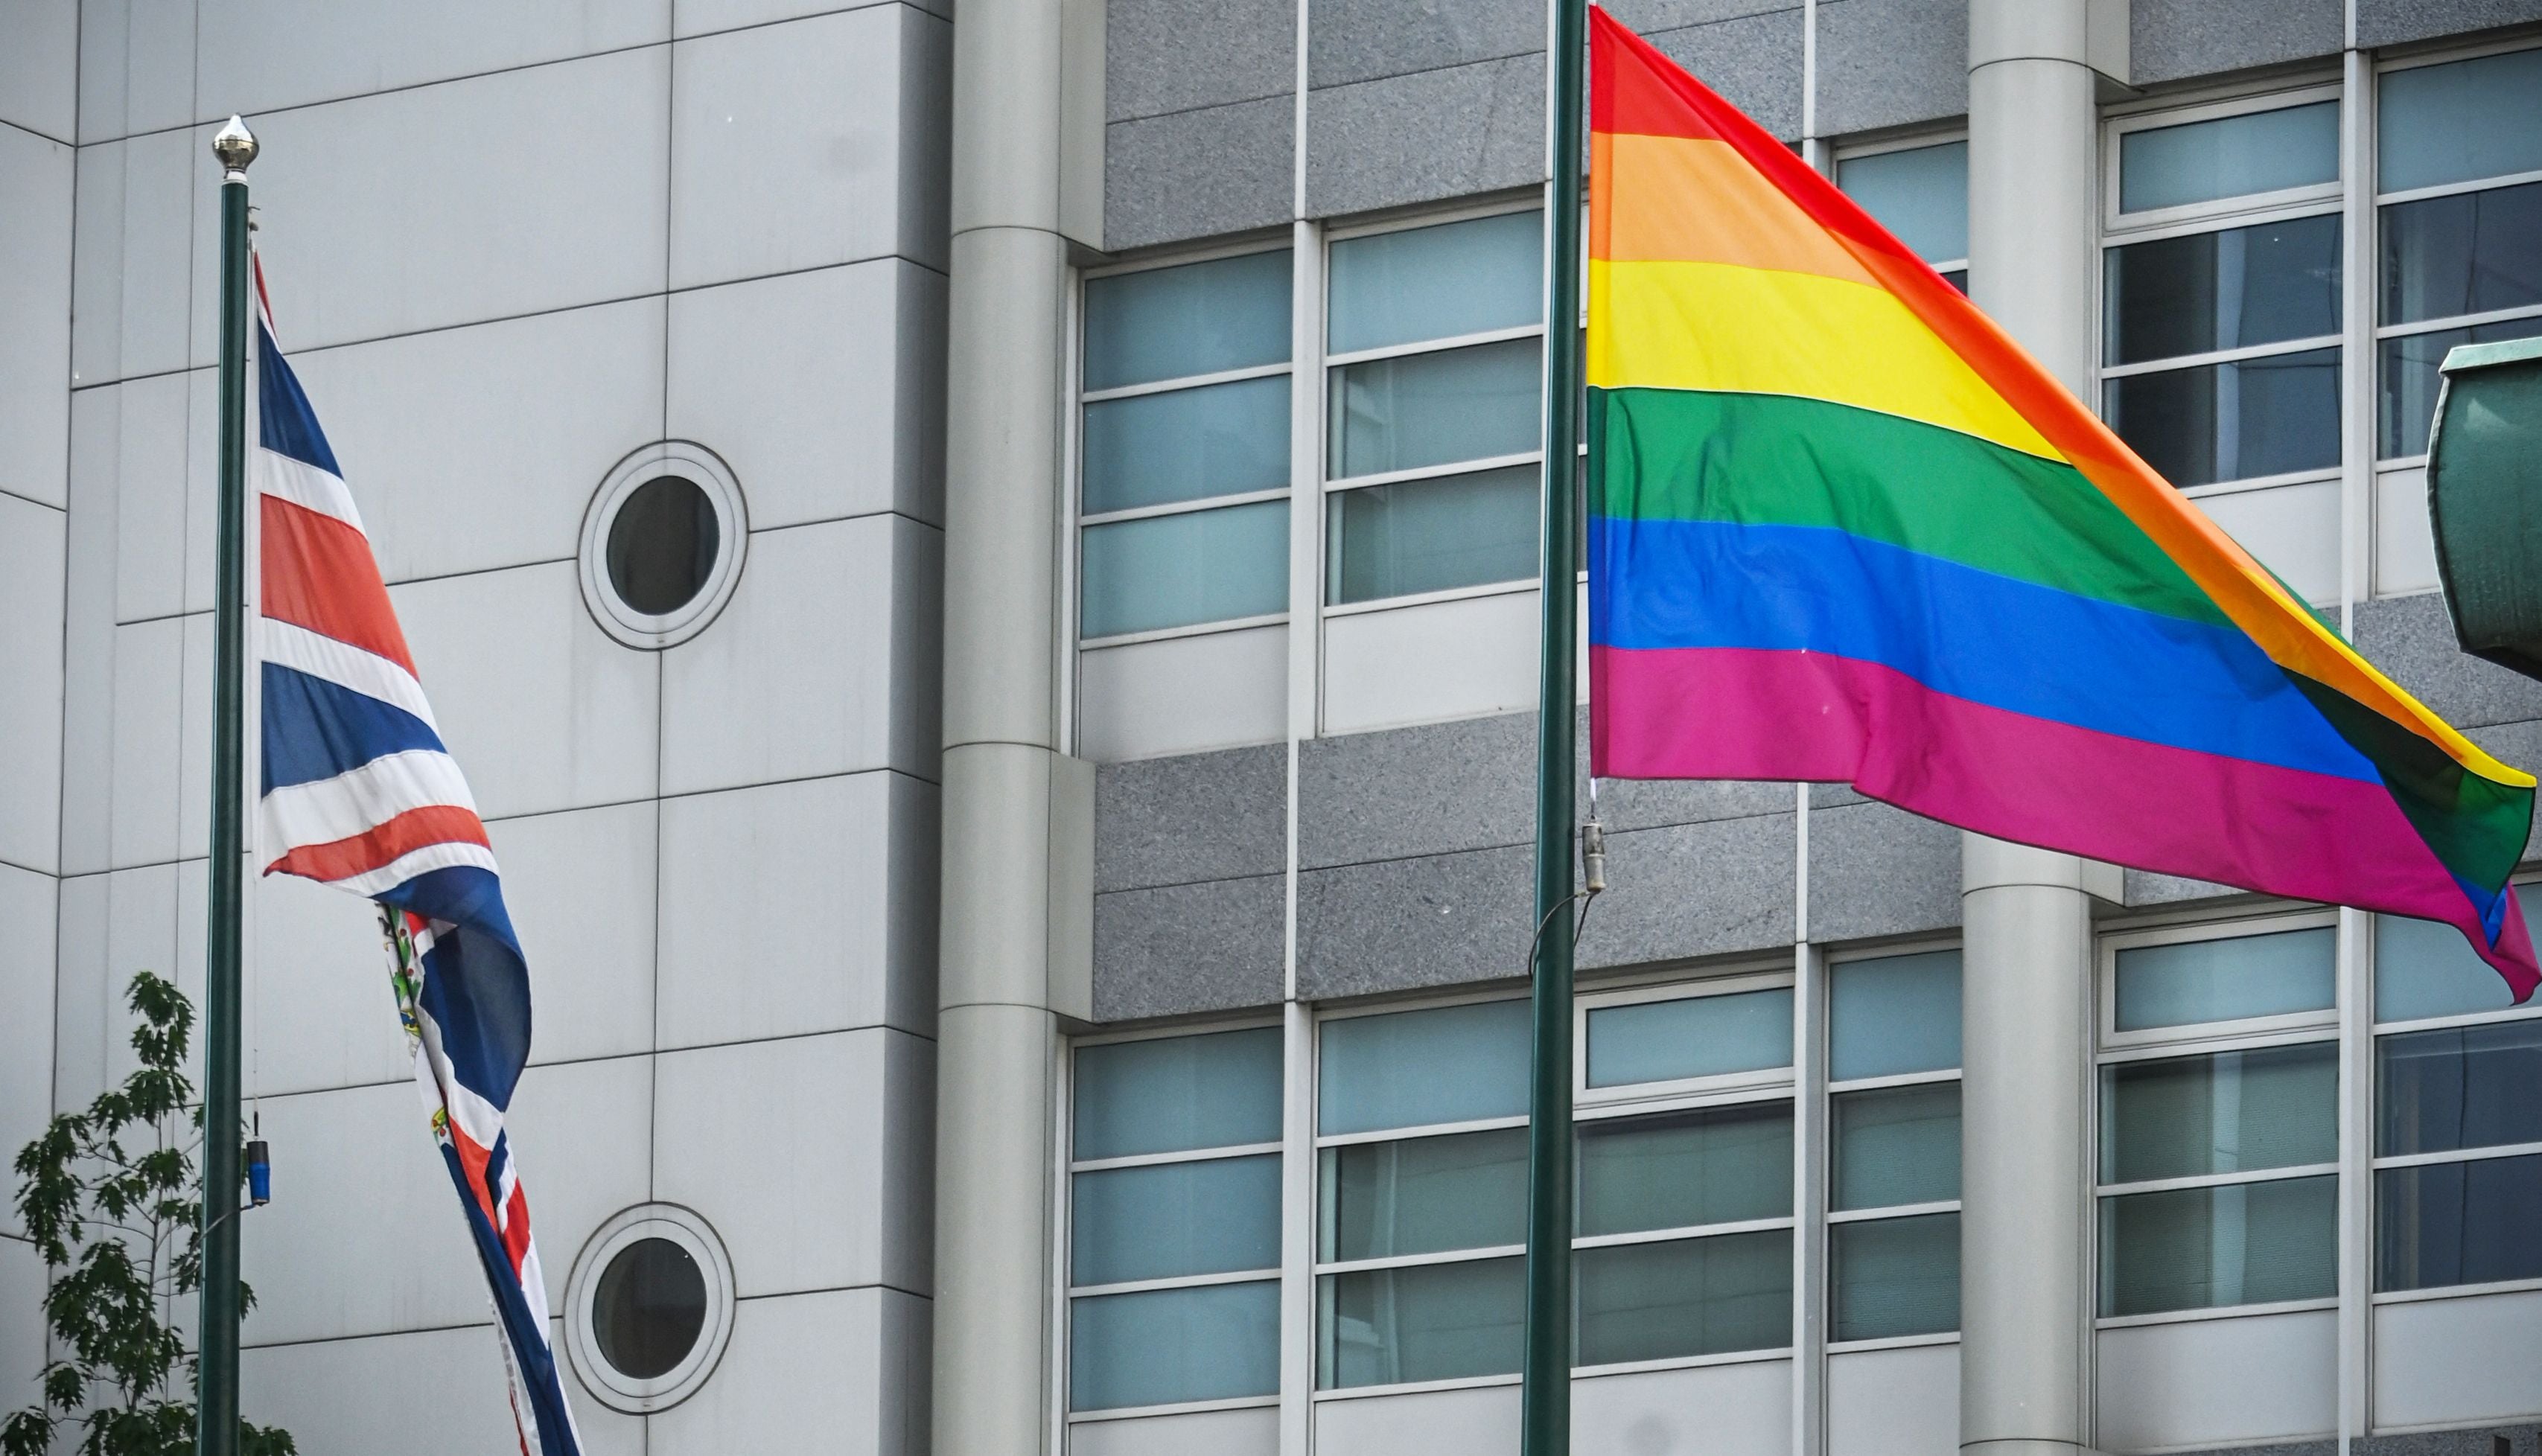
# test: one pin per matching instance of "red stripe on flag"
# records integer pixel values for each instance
(471, 1163)
(1634, 88)
(433, 823)
(319, 574)
(516, 1226)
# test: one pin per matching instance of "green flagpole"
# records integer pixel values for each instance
(1545, 1400)
(216, 1400)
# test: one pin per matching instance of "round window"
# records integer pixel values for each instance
(648, 1308)
(662, 544)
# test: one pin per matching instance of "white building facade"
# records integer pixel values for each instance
(1026, 901)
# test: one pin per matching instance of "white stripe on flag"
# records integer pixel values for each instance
(304, 484)
(359, 800)
(342, 664)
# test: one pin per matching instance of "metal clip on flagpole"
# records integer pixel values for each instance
(217, 1403)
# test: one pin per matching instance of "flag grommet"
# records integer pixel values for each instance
(648, 1308)
(662, 544)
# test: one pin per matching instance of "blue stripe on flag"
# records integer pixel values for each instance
(476, 984)
(286, 424)
(530, 1348)
(315, 729)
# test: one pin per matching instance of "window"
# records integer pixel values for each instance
(1173, 1222)
(2457, 1130)
(662, 544)
(1684, 1234)
(648, 1308)
(1894, 1146)
(1435, 368)
(1183, 446)
(1920, 193)
(2220, 293)
(2459, 212)
(1421, 1194)
(2219, 1121)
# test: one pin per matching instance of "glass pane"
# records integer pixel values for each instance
(2424, 968)
(1429, 1322)
(2457, 1224)
(1921, 195)
(1437, 282)
(1230, 313)
(1892, 1015)
(1895, 1277)
(1423, 1195)
(2225, 290)
(1170, 1219)
(1215, 1343)
(2469, 1086)
(1427, 536)
(1691, 1036)
(1683, 1170)
(2465, 119)
(2196, 981)
(1897, 1145)
(1412, 1069)
(1174, 1094)
(2408, 397)
(1426, 410)
(1168, 572)
(2228, 1112)
(2236, 421)
(1688, 1297)
(2204, 1248)
(1186, 444)
(2467, 253)
(2228, 157)
(1958, 278)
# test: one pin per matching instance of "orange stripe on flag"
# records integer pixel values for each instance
(1669, 198)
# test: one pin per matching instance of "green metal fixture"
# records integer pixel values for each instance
(2484, 500)
(216, 1392)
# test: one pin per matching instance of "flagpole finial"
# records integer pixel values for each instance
(235, 146)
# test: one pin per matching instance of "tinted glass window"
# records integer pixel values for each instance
(662, 544)
(648, 1308)
(2222, 290)
(2229, 157)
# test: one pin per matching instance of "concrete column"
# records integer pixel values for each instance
(997, 1035)
(2025, 1310)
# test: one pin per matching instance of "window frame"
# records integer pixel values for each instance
(1329, 486)
(2375, 1163)
(2110, 1048)
(1077, 520)
(1318, 1267)
(2117, 229)
(1829, 1089)
(1765, 1086)
(1063, 1232)
(2373, 202)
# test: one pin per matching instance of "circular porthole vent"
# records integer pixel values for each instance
(649, 1308)
(662, 543)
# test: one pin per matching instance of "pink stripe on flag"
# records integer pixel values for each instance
(1727, 712)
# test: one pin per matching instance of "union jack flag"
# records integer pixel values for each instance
(359, 792)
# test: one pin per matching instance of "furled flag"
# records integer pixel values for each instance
(358, 793)
(1844, 529)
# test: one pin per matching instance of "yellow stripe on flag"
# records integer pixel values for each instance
(1703, 325)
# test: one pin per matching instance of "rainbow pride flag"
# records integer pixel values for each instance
(1844, 529)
